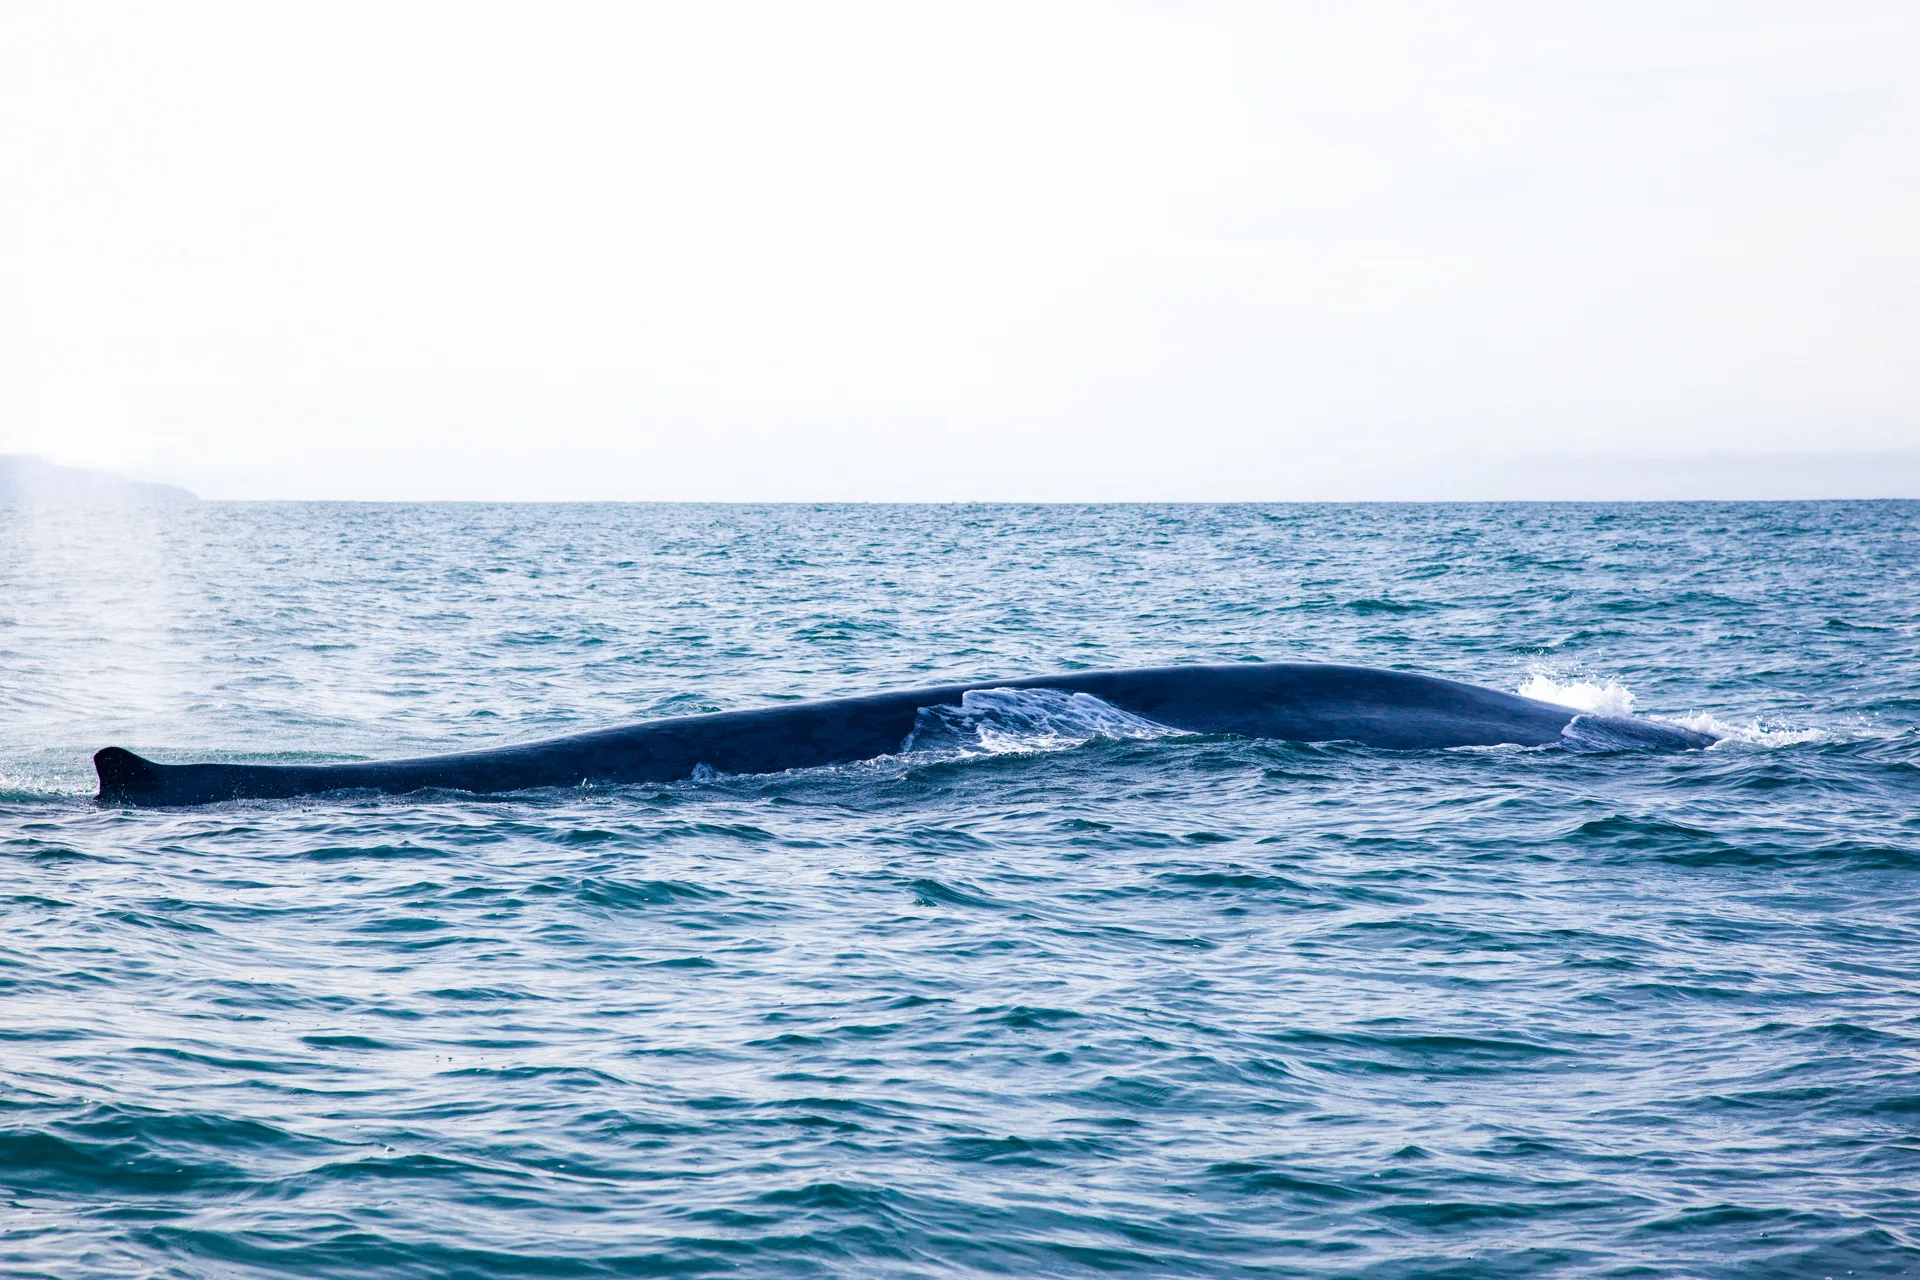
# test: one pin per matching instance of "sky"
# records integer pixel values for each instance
(971, 251)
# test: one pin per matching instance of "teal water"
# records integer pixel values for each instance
(1033, 1006)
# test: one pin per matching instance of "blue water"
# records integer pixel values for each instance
(1027, 1005)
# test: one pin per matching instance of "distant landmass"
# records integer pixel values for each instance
(29, 479)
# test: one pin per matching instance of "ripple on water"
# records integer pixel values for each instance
(1054, 1002)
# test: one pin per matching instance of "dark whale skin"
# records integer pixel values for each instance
(1297, 702)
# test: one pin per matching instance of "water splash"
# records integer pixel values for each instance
(1023, 721)
(1756, 733)
(1610, 697)
(1599, 697)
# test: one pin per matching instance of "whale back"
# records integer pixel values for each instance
(1300, 702)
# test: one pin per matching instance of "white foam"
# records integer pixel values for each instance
(1752, 734)
(1609, 697)
(1012, 721)
(1600, 698)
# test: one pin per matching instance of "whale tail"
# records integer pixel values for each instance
(125, 776)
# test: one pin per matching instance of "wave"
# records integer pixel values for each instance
(1598, 733)
(1610, 697)
(1023, 721)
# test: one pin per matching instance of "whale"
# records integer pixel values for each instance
(1288, 701)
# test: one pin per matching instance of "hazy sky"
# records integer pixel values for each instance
(960, 251)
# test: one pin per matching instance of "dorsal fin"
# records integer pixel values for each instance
(124, 774)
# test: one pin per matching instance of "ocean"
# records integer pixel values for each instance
(1051, 996)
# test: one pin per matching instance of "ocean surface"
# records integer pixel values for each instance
(1052, 995)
